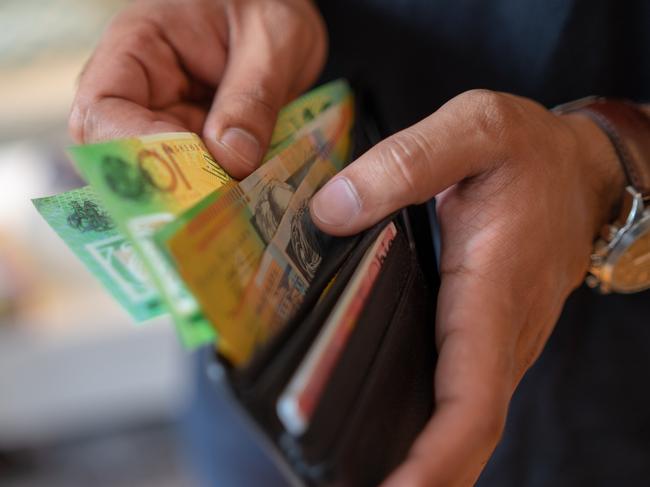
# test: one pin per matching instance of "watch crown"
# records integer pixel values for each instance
(597, 260)
(599, 254)
(609, 232)
(592, 281)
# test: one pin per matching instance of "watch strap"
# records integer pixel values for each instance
(628, 128)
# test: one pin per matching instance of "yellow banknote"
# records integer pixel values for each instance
(218, 250)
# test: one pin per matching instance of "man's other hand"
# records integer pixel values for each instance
(220, 68)
(521, 194)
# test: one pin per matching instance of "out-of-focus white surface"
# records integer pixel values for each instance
(69, 385)
(43, 46)
(72, 362)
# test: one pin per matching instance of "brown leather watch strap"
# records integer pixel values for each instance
(628, 128)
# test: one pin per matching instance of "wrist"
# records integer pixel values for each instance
(602, 170)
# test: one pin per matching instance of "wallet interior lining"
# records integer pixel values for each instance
(388, 362)
(346, 382)
(274, 364)
(340, 252)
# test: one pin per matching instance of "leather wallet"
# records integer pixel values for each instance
(379, 394)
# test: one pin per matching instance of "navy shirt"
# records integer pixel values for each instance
(416, 54)
(581, 416)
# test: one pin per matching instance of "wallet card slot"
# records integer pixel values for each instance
(387, 367)
(262, 381)
(365, 133)
(398, 397)
(339, 252)
(347, 378)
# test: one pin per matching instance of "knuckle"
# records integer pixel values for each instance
(302, 36)
(284, 13)
(82, 112)
(87, 122)
(402, 158)
(76, 123)
(266, 17)
(140, 37)
(495, 116)
(131, 30)
(255, 99)
(114, 25)
(236, 107)
(291, 15)
(82, 122)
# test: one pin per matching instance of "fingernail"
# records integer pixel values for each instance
(243, 143)
(337, 203)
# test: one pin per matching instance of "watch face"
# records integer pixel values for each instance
(631, 271)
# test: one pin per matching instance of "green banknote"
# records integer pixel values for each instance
(294, 121)
(220, 243)
(144, 183)
(303, 110)
(79, 218)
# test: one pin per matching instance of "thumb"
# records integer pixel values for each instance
(412, 166)
(265, 69)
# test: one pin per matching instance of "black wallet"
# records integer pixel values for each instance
(379, 394)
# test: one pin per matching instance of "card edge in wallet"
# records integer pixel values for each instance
(410, 424)
(331, 463)
(271, 372)
(359, 341)
(248, 375)
(270, 423)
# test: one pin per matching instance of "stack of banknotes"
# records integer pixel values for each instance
(166, 230)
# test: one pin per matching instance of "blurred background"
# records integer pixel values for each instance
(86, 396)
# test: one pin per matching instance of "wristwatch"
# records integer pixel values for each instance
(620, 261)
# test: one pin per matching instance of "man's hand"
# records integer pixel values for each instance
(521, 194)
(160, 63)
